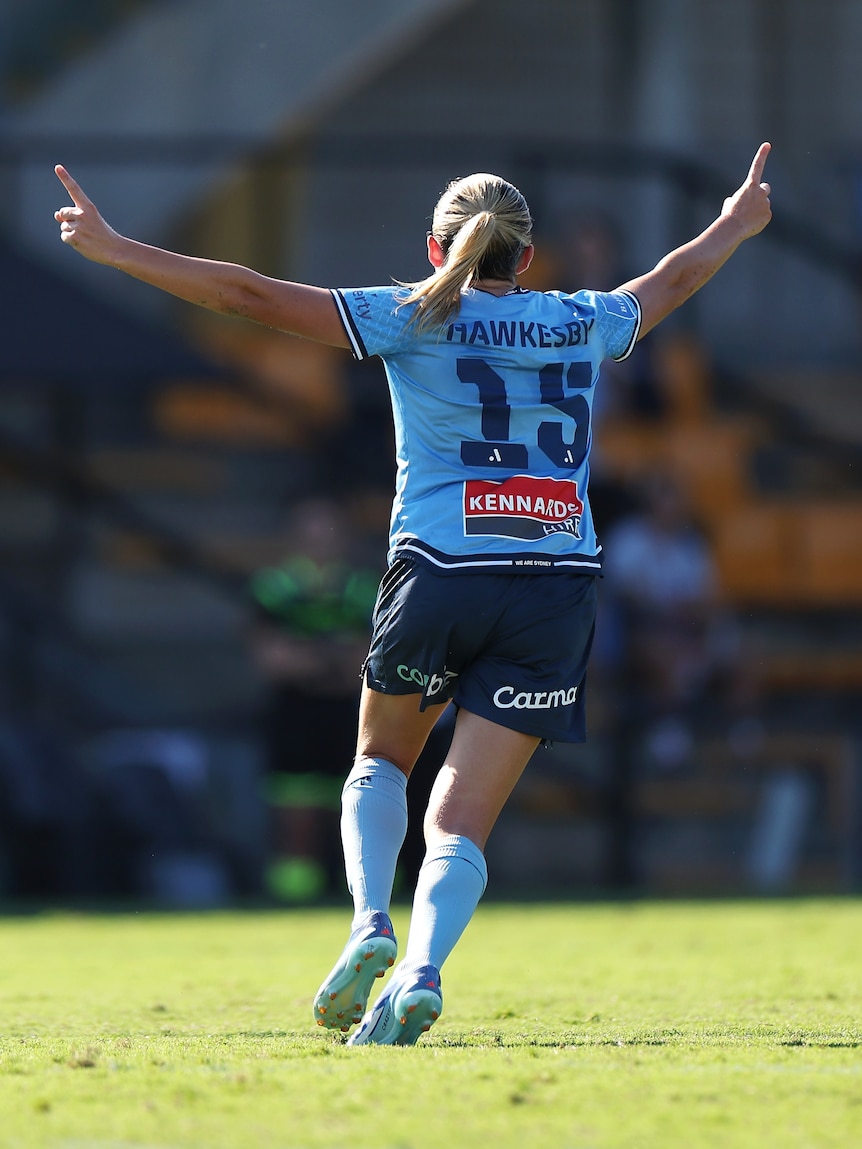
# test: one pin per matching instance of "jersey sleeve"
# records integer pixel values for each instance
(374, 321)
(618, 319)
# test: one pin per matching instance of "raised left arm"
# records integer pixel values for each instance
(228, 288)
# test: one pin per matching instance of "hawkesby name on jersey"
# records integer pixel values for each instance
(517, 333)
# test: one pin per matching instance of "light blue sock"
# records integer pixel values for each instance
(373, 826)
(451, 882)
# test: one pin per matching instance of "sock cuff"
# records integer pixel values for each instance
(379, 768)
(457, 846)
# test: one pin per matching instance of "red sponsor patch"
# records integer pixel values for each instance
(522, 507)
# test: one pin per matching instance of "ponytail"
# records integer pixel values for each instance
(483, 225)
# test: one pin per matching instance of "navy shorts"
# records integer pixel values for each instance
(512, 648)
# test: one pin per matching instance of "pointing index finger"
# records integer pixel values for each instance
(79, 199)
(755, 172)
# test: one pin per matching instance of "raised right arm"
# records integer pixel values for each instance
(228, 288)
(684, 271)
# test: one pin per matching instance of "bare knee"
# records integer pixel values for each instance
(392, 726)
(452, 812)
(484, 763)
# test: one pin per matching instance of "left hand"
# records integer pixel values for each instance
(81, 226)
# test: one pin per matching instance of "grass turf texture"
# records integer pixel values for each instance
(578, 1027)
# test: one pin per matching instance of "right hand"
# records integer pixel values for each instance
(81, 226)
(749, 206)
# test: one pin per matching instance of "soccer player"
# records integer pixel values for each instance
(489, 597)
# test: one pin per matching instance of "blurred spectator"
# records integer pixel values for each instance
(664, 627)
(155, 833)
(309, 637)
(663, 642)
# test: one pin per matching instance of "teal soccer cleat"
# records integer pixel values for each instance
(369, 953)
(407, 1008)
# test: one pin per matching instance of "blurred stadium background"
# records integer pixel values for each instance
(164, 475)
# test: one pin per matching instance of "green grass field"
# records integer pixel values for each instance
(578, 1027)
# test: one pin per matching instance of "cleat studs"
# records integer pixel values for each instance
(345, 1029)
(425, 1028)
(390, 962)
(333, 996)
(357, 1005)
(379, 972)
(340, 1015)
(321, 1009)
(356, 1020)
(434, 1014)
(320, 1022)
(410, 1008)
(358, 966)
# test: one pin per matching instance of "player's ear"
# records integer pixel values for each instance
(526, 259)
(436, 254)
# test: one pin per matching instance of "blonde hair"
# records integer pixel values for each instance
(483, 226)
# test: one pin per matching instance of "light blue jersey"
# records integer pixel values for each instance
(493, 422)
